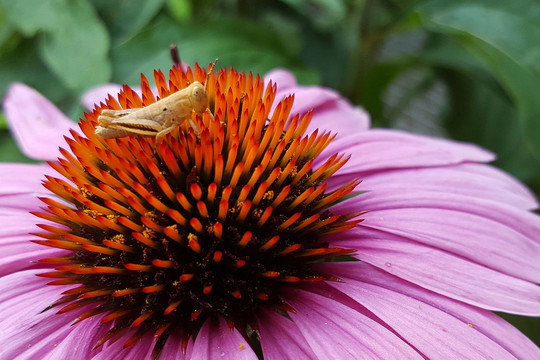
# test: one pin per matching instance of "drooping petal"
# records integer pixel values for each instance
(37, 125)
(337, 328)
(173, 348)
(23, 178)
(437, 326)
(17, 251)
(28, 331)
(331, 111)
(217, 341)
(20, 187)
(476, 180)
(378, 150)
(116, 351)
(442, 272)
(79, 341)
(98, 94)
(497, 236)
(281, 338)
(284, 79)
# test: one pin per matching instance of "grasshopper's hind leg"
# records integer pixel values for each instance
(108, 115)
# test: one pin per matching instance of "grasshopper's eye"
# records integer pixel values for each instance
(199, 93)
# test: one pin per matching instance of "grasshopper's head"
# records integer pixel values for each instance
(199, 97)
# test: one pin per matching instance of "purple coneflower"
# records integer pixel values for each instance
(260, 234)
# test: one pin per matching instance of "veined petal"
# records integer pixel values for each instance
(337, 328)
(476, 180)
(37, 125)
(140, 350)
(17, 251)
(377, 150)
(481, 231)
(217, 341)
(439, 327)
(173, 348)
(281, 338)
(442, 272)
(72, 347)
(23, 178)
(28, 330)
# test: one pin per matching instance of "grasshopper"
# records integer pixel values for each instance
(157, 119)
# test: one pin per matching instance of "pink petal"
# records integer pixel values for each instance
(97, 94)
(20, 187)
(437, 326)
(442, 272)
(173, 348)
(331, 111)
(284, 79)
(17, 252)
(337, 328)
(217, 341)
(37, 125)
(26, 328)
(79, 341)
(476, 180)
(19, 204)
(497, 236)
(377, 150)
(281, 338)
(23, 178)
(140, 350)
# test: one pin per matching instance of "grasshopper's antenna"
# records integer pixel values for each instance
(210, 71)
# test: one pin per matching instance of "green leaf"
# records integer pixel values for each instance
(324, 14)
(503, 35)
(73, 41)
(481, 113)
(22, 64)
(3, 122)
(236, 42)
(125, 18)
(181, 10)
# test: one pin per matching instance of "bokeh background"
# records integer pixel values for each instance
(463, 69)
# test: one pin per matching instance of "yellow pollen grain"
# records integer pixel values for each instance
(120, 239)
(294, 171)
(242, 346)
(149, 233)
(151, 215)
(236, 208)
(192, 237)
(269, 195)
(257, 213)
(84, 192)
(92, 213)
(470, 325)
(112, 217)
(210, 228)
(175, 283)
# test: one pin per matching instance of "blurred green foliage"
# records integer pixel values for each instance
(464, 69)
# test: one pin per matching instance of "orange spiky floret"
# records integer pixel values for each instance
(228, 216)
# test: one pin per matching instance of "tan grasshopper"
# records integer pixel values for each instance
(157, 119)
